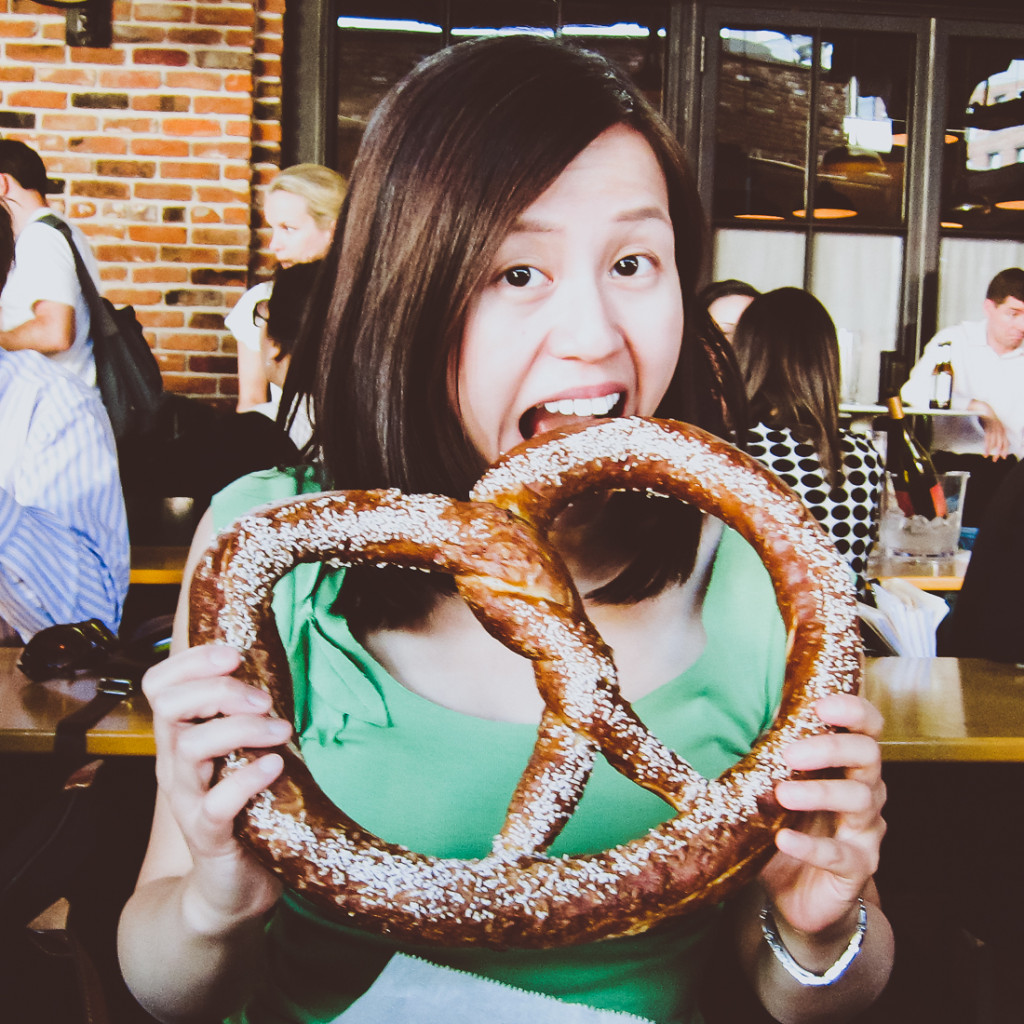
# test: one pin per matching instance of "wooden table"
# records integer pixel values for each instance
(948, 709)
(157, 564)
(927, 573)
(29, 713)
(936, 709)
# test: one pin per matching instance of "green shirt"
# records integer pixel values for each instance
(439, 781)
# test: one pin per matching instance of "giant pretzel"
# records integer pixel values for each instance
(517, 895)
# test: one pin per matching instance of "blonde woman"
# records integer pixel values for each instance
(301, 208)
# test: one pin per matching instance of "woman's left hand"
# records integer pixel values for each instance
(814, 879)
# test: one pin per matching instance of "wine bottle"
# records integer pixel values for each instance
(918, 490)
(942, 379)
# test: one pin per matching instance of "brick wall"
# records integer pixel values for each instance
(162, 143)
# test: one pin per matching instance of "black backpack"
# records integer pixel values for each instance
(127, 373)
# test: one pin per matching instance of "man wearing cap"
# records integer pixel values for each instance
(42, 306)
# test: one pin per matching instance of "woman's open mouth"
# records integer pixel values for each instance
(566, 411)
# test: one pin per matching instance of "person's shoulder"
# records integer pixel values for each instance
(59, 396)
(261, 488)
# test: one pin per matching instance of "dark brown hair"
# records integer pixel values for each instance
(451, 157)
(1007, 284)
(788, 355)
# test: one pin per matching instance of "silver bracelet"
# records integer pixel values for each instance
(805, 977)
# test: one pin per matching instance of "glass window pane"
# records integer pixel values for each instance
(846, 269)
(633, 35)
(378, 42)
(767, 83)
(966, 266)
(983, 166)
(471, 18)
(765, 259)
(862, 127)
(761, 125)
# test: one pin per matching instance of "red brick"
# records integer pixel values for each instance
(135, 34)
(66, 76)
(161, 318)
(236, 216)
(37, 98)
(190, 342)
(162, 12)
(126, 253)
(223, 105)
(11, 29)
(125, 168)
(77, 210)
(100, 232)
(160, 234)
(161, 274)
(220, 194)
(223, 149)
(224, 16)
(204, 215)
(130, 79)
(160, 190)
(196, 36)
(167, 58)
(171, 362)
(220, 236)
(96, 55)
(134, 296)
(208, 81)
(19, 74)
(70, 122)
(190, 385)
(134, 125)
(190, 126)
(99, 144)
(181, 169)
(188, 254)
(239, 37)
(34, 53)
(160, 147)
(100, 189)
(238, 83)
(165, 103)
(109, 273)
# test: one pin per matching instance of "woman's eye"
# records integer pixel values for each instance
(520, 277)
(629, 266)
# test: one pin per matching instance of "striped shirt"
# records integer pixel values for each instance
(63, 532)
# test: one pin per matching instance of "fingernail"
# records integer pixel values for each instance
(271, 764)
(279, 727)
(258, 699)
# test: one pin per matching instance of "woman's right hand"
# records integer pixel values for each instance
(200, 713)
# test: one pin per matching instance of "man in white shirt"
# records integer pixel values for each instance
(987, 357)
(42, 306)
(63, 532)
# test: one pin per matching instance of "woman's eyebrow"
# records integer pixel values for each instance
(528, 226)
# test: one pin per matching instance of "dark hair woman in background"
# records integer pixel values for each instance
(788, 354)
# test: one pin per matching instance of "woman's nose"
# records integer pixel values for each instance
(585, 325)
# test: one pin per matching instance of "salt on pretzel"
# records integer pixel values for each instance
(518, 896)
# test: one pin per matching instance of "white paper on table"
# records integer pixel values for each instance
(414, 991)
(905, 616)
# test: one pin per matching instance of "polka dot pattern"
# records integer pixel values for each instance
(849, 512)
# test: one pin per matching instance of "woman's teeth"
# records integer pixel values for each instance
(583, 406)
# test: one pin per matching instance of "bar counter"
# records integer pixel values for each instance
(936, 709)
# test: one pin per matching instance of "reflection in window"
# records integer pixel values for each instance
(379, 41)
(773, 94)
(983, 176)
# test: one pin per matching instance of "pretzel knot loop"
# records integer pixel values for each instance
(517, 586)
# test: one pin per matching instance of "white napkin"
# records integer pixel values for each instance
(415, 991)
(906, 617)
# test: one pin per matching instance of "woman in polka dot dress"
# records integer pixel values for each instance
(786, 346)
